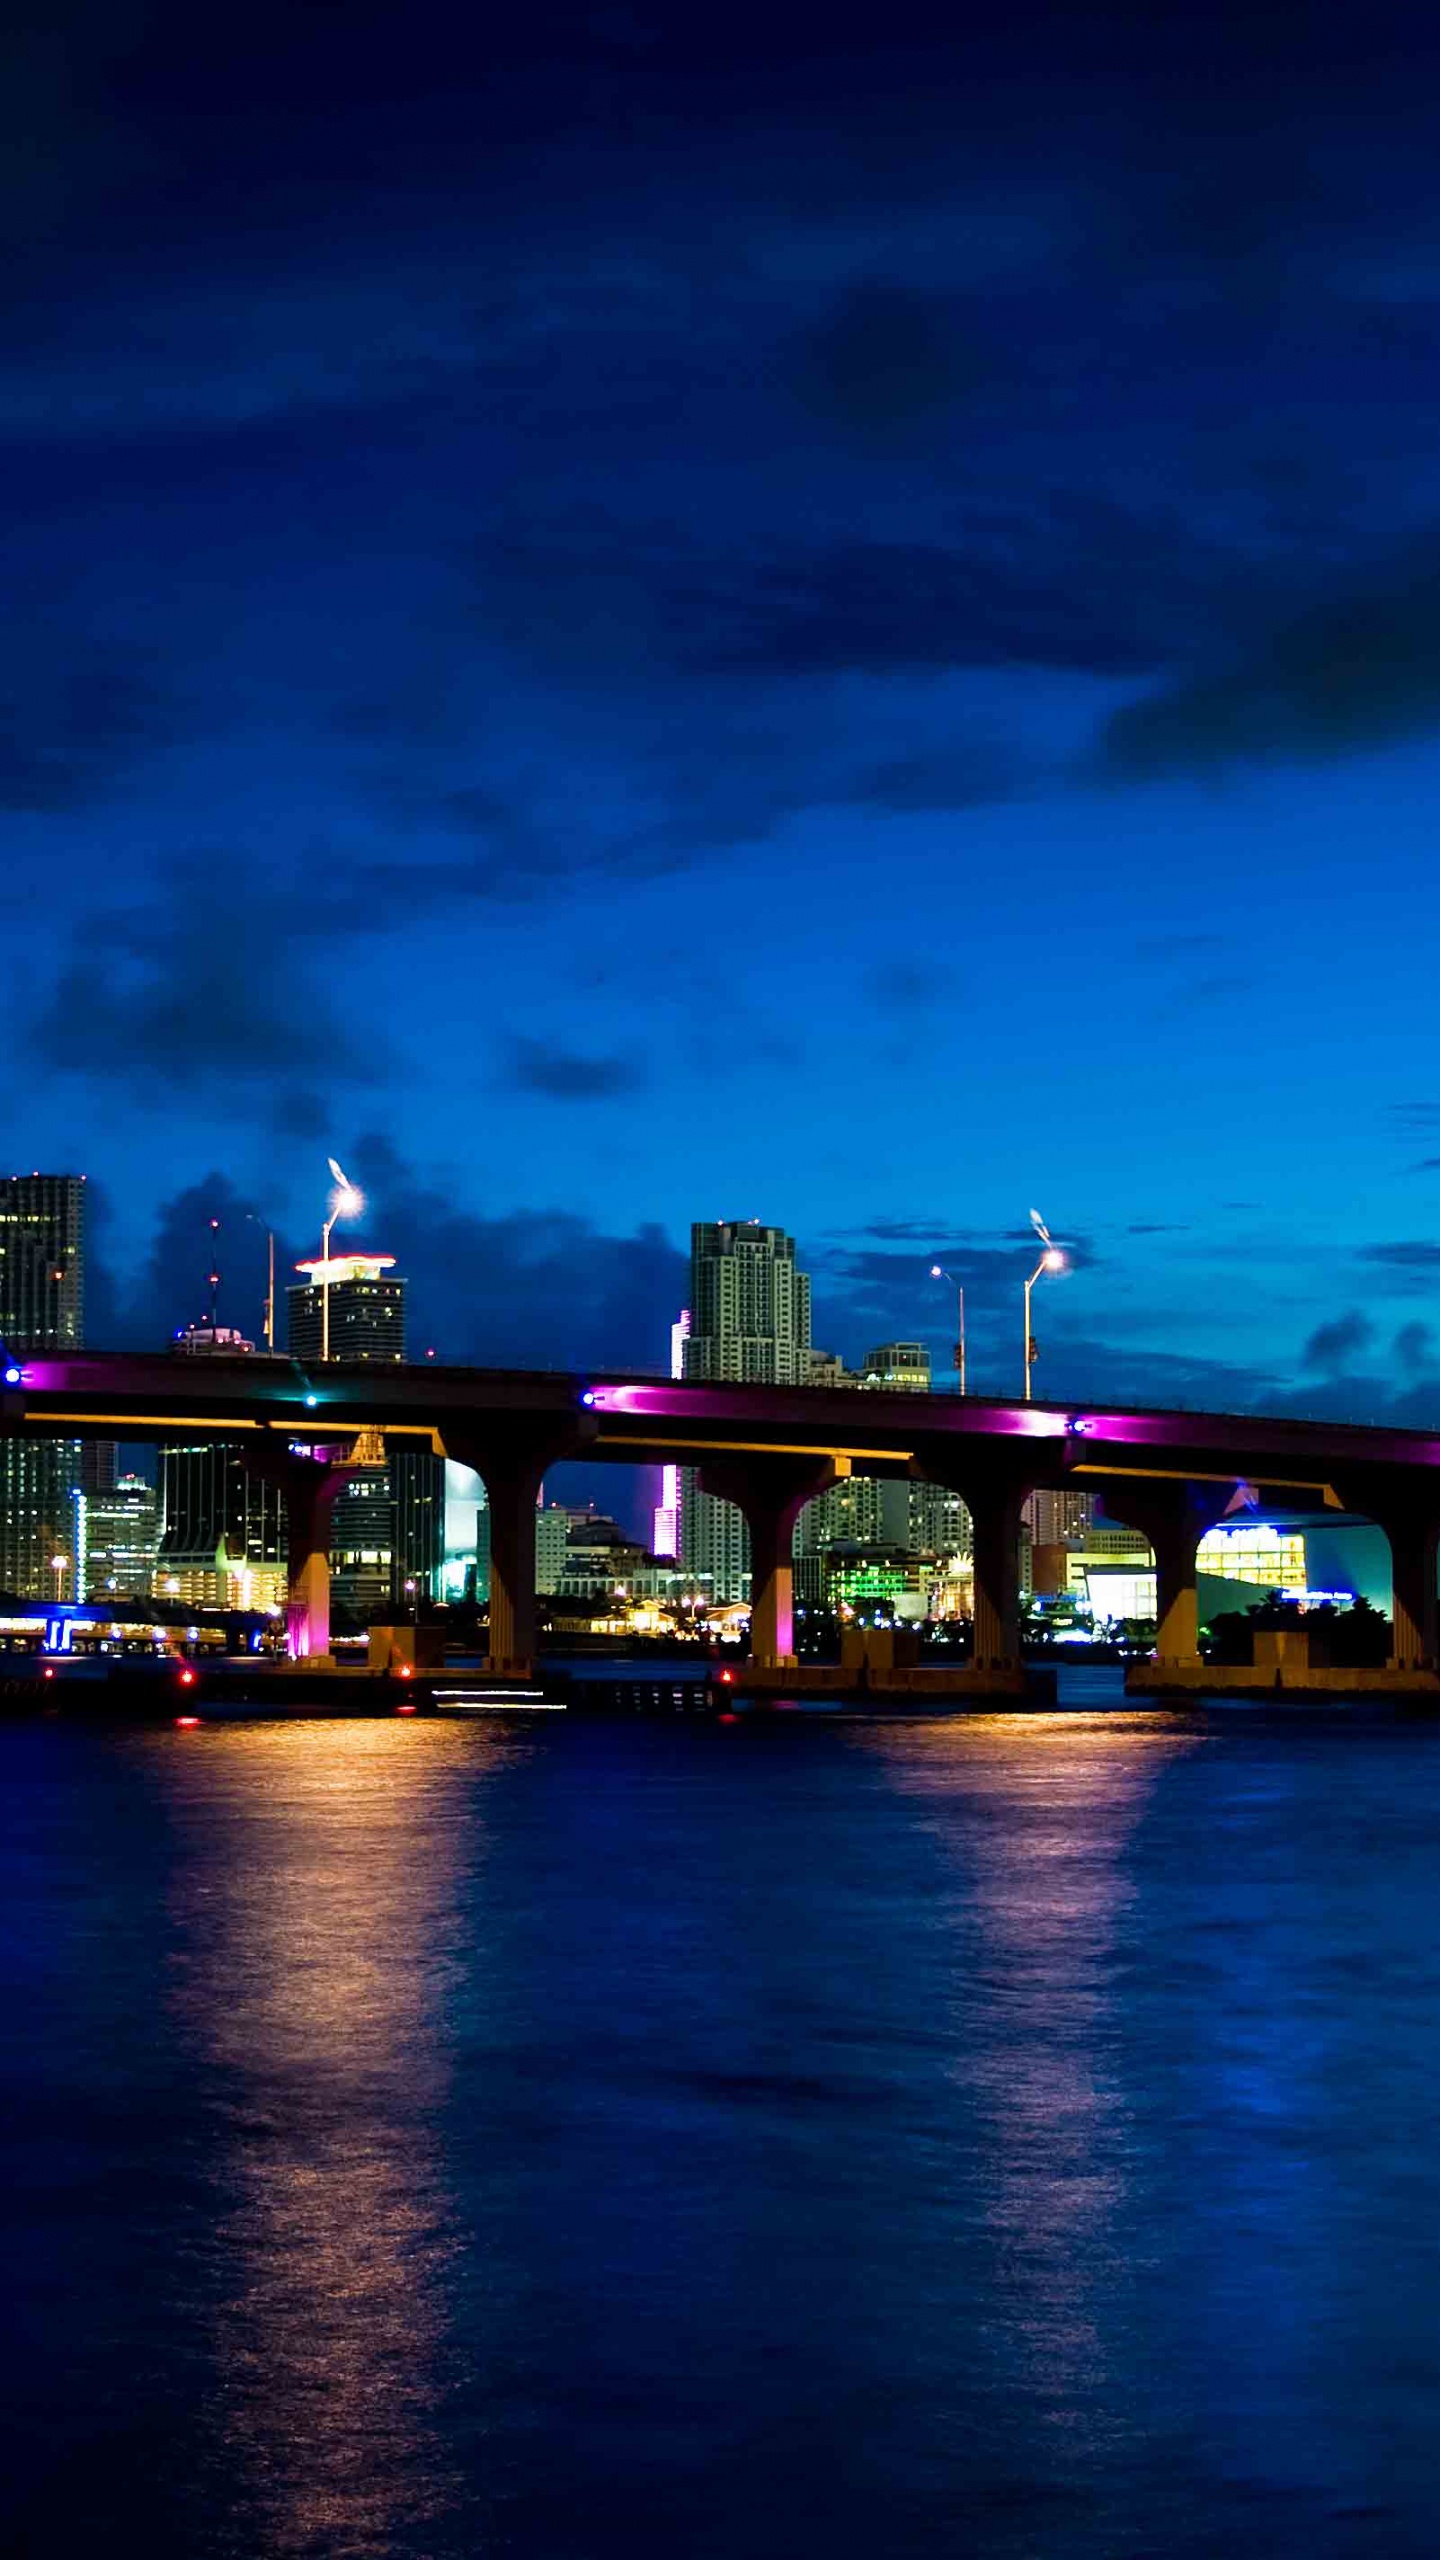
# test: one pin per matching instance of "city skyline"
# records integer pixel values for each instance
(862, 649)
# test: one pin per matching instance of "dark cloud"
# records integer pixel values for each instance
(566, 1076)
(1070, 581)
(1336, 1347)
(536, 1288)
(1415, 1348)
(205, 992)
(1415, 1254)
(1427, 1164)
(886, 355)
(75, 717)
(1359, 669)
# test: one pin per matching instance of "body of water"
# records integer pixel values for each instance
(1017, 2136)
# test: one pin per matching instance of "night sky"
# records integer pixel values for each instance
(621, 615)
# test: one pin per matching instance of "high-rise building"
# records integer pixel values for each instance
(117, 1540)
(749, 1306)
(750, 1323)
(222, 1527)
(366, 1318)
(42, 1308)
(388, 1534)
(665, 1539)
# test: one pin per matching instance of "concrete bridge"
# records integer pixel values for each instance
(768, 1449)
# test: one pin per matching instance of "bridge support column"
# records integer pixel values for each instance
(995, 1534)
(993, 1489)
(514, 1463)
(309, 1498)
(1174, 1517)
(1412, 1525)
(771, 1492)
(513, 1492)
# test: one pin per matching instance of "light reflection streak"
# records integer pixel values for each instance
(1033, 1815)
(318, 1925)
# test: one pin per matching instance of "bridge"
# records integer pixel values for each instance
(769, 1449)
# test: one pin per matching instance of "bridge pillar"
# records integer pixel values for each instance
(310, 1491)
(1411, 1522)
(993, 1488)
(771, 1491)
(1174, 1516)
(514, 1463)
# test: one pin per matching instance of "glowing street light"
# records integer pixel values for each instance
(59, 1566)
(939, 1272)
(345, 1202)
(1051, 1259)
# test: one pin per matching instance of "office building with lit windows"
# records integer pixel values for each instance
(387, 1540)
(750, 1323)
(42, 1308)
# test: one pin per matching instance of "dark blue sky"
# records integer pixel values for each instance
(632, 614)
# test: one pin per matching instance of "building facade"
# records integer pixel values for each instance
(387, 1545)
(42, 1308)
(117, 1540)
(750, 1324)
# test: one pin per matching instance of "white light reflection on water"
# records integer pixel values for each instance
(1033, 1816)
(315, 1947)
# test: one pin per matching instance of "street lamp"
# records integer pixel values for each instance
(345, 1202)
(59, 1566)
(938, 1272)
(1051, 1259)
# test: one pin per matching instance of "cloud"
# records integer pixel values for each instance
(534, 1289)
(539, 1288)
(905, 987)
(1335, 1347)
(1359, 669)
(75, 716)
(205, 989)
(567, 1076)
(1414, 1348)
(884, 356)
(1416, 1254)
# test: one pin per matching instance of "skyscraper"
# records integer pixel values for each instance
(389, 1522)
(222, 1527)
(749, 1322)
(42, 1308)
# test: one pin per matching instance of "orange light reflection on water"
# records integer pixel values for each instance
(315, 1948)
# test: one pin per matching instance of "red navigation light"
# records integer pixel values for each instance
(187, 1679)
(49, 1671)
(187, 1722)
(727, 1675)
(404, 1706)
(729, 1716)
(404, 1671)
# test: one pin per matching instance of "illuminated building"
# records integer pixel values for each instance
(666, 1534)
(117, 1540)
(367, 1308)
(750, 1323)
(1272, 1559)
(387, 1538)
(902, 1367)
(222, 1528)
(42, 1308)
(1051, 1518)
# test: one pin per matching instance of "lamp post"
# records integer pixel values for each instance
(938, 1272)
(59, 1566)
(1051, 1259)
(252, 1219)
(345, 1202)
